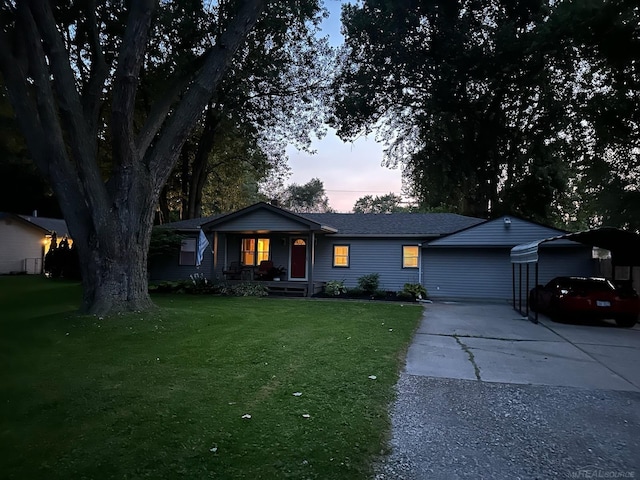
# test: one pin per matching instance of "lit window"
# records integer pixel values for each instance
(254, 250)
(341, 255)
(410, 256)
(263, 250)
(188, 252)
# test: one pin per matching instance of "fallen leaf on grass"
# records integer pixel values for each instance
(306, 415)
(213, 449)
(246, 415)
(372, 377)
(297, 394)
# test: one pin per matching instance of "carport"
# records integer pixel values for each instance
(623, 245)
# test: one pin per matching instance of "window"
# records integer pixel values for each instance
(254, 250)
(188, 251)
(410, 256)
(341, 256)
(263, 250)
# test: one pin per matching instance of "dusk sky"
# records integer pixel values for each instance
(348, 170)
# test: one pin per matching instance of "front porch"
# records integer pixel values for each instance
(263, 243)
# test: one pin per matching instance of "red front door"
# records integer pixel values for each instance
(298, 258)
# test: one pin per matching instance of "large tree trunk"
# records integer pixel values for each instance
(114, 275)
(110, 222)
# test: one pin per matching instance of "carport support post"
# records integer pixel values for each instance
(513, 284)
(520, 288)
(536, 320)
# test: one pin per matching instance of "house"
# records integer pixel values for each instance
(453, 256)
(475, 263)
(25, 241)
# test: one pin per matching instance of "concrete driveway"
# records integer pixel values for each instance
(493, 343)
(488, 394)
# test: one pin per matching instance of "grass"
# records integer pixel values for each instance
(151, 395)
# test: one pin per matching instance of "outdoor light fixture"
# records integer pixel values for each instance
(507, 222)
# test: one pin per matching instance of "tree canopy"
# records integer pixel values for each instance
(499, 106)
(308, 198)
(273, 96)
(388, 203)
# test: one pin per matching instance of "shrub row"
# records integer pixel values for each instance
(198, 284)
(368, 286)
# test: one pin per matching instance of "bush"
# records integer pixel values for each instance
(165, 287)
(62, 260)
(405, 296)
(335, 288)
(355, 292)
(415, 290)
(369, 283)
(246, 290)
(198, 284)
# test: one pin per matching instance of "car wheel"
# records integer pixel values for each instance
(626, 321)
(533, 302)
(555, 312)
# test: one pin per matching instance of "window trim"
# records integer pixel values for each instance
(348, 256)
(256, 251)
(187, 262)
(404, 257)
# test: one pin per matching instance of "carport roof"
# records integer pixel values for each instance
(624, 245)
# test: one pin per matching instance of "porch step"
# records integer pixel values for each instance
(287, 289)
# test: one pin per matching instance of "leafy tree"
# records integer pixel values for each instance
(500, 106)
(164, 243)
(62, 65)
(273, 97)
(596, 47)
(388, 203)
(307, 198)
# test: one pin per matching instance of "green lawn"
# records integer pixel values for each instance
(151, 395)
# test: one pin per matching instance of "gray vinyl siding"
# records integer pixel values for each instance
(167, 268)
(495, 233)
(486, 273)
(366, 255)
(261, 220)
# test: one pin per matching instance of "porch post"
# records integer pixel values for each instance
(311, 256)
(215, 253)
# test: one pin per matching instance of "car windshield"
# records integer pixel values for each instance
(585, 284)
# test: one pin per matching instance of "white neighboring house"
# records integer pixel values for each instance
(25, 241)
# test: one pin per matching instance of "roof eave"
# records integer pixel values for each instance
(388, 235)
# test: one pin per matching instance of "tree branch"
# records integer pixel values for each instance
(83, 145)
(164, 154)
(92, 91)
(162, 107)
(126, 80)
(47, 145)
(15, 75)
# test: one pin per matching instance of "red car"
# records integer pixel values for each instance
(596, 298)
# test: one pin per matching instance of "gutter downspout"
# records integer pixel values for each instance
(420, 264)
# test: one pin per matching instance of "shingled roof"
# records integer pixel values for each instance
(190, 224)
(57, 225)
(370, 224)
(395, 224)
(47, 225)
